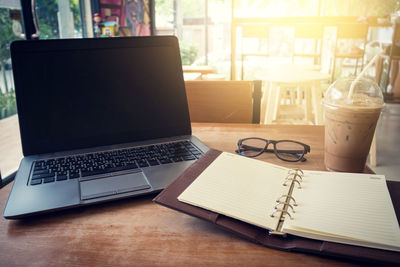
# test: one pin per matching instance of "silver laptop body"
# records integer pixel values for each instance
(100, 119)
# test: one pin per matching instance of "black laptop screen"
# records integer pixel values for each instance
(84, 93)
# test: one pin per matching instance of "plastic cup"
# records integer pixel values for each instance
(350, 122)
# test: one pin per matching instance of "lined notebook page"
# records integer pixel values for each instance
(347, 208)
(238, 187)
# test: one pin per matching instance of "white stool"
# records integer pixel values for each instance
(294, 94)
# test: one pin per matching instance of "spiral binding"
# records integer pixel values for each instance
(286, 201)
(294, 175)
(283, 211)
(287, 196)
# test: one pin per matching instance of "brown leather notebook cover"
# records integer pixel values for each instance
(168, 197)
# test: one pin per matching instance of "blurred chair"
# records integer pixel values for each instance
(308, 35)
(224, 101)
(251, 33)
(294, 103)
(350, 32)
(293, 95)
(389, 78)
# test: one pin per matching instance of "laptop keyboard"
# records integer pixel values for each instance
(73, 167)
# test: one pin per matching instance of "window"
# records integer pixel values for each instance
(53, 16)
(202, 41)
(10, 147)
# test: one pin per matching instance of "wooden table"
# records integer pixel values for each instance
(138, 232)
(191, 76)
(298, 80)
(202, 69)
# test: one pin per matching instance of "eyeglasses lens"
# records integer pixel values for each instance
(252, 147)
(290, 151)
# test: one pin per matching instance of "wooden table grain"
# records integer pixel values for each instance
(137, 232)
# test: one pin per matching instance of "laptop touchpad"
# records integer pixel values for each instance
(113, 185)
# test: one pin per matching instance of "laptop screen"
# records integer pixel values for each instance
(82, 93)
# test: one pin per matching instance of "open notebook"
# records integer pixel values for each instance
(346, 208)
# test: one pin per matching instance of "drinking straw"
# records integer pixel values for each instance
(353, 84)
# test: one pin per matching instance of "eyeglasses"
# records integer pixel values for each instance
(287, 150)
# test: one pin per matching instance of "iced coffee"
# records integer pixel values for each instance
(350, 121)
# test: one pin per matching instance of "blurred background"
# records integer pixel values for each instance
(301, 44)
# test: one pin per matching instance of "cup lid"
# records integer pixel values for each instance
(366, 93)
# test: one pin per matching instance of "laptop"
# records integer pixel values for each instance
(100, 119)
